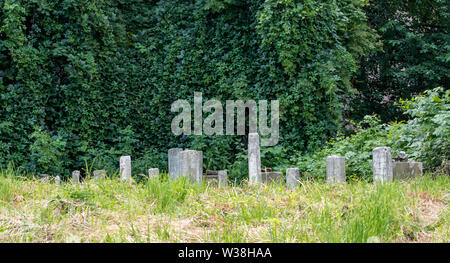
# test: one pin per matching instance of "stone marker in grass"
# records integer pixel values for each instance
(191, 165)
(222, 178)
(382, 165)
(76, 177)
(405, 170)
(153, 172)
(99, 174)
(174, 162)
(335, 169)
(254, 159)
(125, 168)
(270, 177)
(292, 177)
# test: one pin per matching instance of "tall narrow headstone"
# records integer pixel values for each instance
(99, 174)
(292, 177)
(153, 172)
(174, 162)
(335, 169)
(125, 168)
(382, 165)
(254, 159)
(76, 177)
(191, 165)
(222, 178)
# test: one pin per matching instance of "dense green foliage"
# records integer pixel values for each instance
(98, 77)
(425, 137)
(414, 55)
(83, 82)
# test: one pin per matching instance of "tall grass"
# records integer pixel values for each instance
(163, 210)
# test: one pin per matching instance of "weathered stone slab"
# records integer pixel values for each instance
(99, 174)
(174, 162)
(335, 169)
(292, 177)
(382, 165)
(223, 178)
(125, 168)
(76, 177)
(268, 177)
(191, 165)
(153, 172)
(254, 159)
(404, 170)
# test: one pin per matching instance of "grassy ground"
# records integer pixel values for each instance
(33, 210)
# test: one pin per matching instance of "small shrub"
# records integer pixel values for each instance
(47, 152)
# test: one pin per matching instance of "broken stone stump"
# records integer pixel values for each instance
(222, 178)
(405, 170)
(292, 177)
(335, 169)
(153, 172)
(254, 159)
(191, 165)
(269, 177)
(382, 165)
(174, 162)
(401, 157)
(76, 177)
(125, 168)
(99, 174)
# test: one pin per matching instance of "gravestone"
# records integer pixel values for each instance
(223, 178)
(191, 165)
(292, 177)
(211, 177)
(254, 159)
(99, 174)
(218, 178)
(405, 170)
(153, 172)
(269, 177)
(335, 169)
(125, 168)
(382, 165)
(76, 177)
(174, 162)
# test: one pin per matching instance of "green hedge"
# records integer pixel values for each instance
(86, 79)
